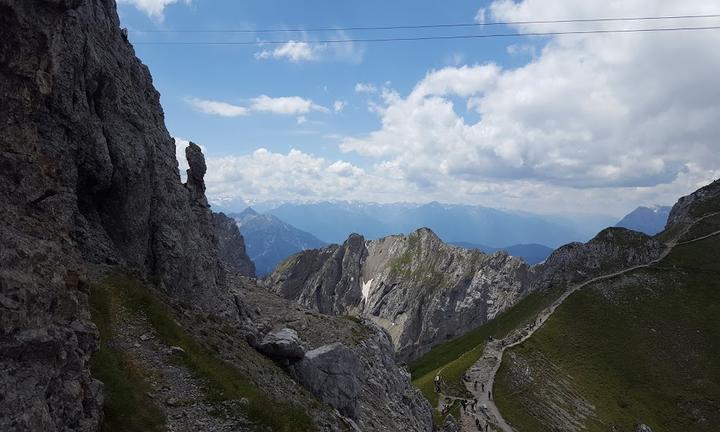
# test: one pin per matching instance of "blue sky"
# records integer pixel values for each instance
(540, 124)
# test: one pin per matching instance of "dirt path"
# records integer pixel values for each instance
(174, 388)
(482, 374)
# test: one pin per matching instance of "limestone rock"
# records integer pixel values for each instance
(333, 374)
(232, 245)
(419, 289)
(282, 344)
(642, 428)
(88, 174)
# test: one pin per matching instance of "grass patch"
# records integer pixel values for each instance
(646, 352)
(127, 407)
(222, 380)
(458, 355)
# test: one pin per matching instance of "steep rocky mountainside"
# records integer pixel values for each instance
(232, 245)
(638, 351)
(531, 253)
(700, 203)
(419, 289)
(424, 292)
(649, 220)
(270, 241)
(89, 185)
(88, 174)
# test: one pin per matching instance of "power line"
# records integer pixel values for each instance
(425, 38)
(431, 26)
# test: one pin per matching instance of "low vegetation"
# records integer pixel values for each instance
(222, 380)
(640, 349)
(451, 359)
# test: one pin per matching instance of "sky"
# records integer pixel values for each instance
(596, 123)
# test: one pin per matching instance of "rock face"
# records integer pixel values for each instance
(385, 399)
(612, 249)
(283, 344)
(232, 245)
(87, 174)
(423, 291)
(689, 208)
(333, 373)
(419, 289)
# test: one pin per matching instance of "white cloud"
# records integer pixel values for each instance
(294, 175)
(339, 105)
(480, 16)
(218, 108)
(285, 105)
(153, 8)
(297, 51)
(301, 120)
(365, 88)
(288, 105)
(625, 112)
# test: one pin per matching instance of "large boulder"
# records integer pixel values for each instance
(282, 344)
(333, 374)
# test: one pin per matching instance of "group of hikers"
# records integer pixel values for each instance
(467, 406)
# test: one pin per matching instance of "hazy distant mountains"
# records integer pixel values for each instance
(650, 220)
(269, 240)
(531, 253)
(332, 222)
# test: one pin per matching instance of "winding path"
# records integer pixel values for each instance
(485, 369)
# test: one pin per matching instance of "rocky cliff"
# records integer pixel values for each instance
(346, 362)
(89, 180)
(232, 245)
(702, 202)
(424, 292)
(88, 175)
(419, 289)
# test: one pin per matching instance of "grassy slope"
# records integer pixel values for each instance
(456, 356)
(126, 388)
(647, 353)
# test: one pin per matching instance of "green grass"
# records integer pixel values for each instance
(649, 353)
(458, 355)
(127, 406)
(222, 380)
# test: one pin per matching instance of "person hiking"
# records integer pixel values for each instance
(475, 384)
(489, 395)
(483, 387)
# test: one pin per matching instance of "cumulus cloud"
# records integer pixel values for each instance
(287, 105)
(298, 51)
(339, 105)
(592, 111)
(365, 88)
(222, 109)
(289, 176)
(153, 8)
(295, 51)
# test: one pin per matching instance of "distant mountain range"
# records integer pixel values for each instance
(531, 253)
(649, 220)
(332, 222)
(269, 240)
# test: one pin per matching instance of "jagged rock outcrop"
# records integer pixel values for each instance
(385, 400)
(232, 245)
(419, 289)
(87, 174)
(613, 249)
(283, 344)
(331, 372)
(689, 208)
